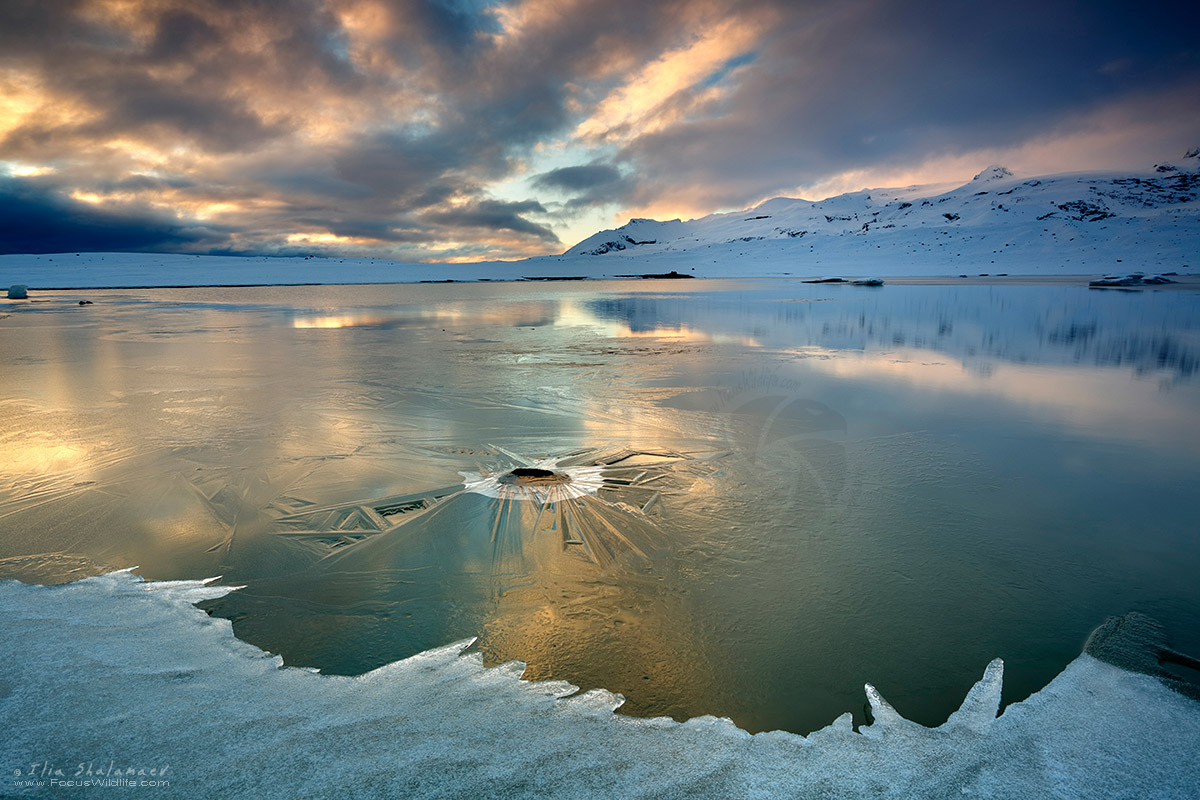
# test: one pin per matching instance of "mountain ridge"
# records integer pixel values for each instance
(1042, 216)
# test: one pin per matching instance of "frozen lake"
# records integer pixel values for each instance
(762, 494)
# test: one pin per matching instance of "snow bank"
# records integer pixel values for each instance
(113, 675)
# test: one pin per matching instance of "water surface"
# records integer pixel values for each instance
(795, 488)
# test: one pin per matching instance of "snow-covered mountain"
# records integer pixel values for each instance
(1055, 223)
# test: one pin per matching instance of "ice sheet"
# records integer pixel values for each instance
(891, 486)
(116, 674)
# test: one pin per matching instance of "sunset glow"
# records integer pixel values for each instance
(467, 130)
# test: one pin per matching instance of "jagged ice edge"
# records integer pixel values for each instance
(979, 709)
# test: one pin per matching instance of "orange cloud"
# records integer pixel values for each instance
(650, 100)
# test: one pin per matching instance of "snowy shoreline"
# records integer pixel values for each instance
(97, 271)
(117, 671)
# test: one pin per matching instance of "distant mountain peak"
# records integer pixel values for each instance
(638, 231)
(1193, 153)
(993, 173)
(1074, 221)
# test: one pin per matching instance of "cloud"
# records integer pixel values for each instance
(665, 90)
(399, 164)
(494, 215)
(595, 184)
(870, 84)
(579, 178)
(34, 219)
(415, 128)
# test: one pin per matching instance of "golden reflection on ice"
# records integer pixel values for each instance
(609, 637)
(449, 315)
(41, 455)
(337, 320)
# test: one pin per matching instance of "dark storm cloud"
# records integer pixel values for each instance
(496, 216)
(577, 179)
(27, 27)
(219, 123)
(304, 180)
(453, 24)
(35, 220)
(399, 164)
(591, 184)
(433, 195)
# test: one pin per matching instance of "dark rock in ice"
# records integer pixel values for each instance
(85, 302)
(826, 280)
(531, 472)
(18, 291)
(868, 282)
(672, 275)
(533, 475)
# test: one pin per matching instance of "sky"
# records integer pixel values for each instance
(467, 130)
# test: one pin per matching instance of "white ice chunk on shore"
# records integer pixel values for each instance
(114, 669)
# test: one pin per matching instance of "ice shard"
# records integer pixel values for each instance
(982, 703)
